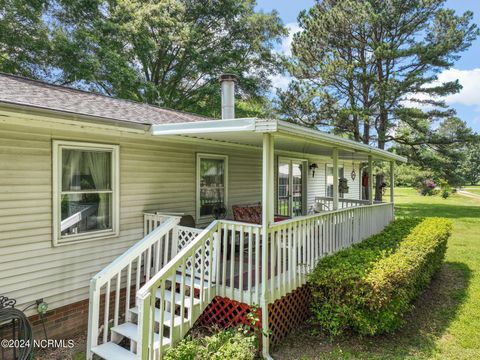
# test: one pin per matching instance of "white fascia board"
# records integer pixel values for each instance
(289, 128)
(202, 127)
(270, 126)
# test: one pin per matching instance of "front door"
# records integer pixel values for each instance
(290, 191)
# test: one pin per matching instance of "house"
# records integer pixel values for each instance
(107, 196)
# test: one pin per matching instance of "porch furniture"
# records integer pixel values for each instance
(188, 221)
(249, 213)
(252, 214)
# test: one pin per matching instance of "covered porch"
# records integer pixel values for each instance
(299, 167)
(300, 219)
(176, 271)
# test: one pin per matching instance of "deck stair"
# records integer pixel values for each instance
(157, 290)
(124, 337)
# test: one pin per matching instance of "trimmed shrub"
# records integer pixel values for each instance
(225, 344)
(368, 287)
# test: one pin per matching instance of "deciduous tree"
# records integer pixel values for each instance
(170, 52)
(24, 41)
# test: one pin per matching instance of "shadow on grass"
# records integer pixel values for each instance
(447, 210)
(433, 311)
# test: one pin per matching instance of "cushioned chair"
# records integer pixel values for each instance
(249, 213)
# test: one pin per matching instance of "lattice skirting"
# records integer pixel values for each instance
(284, 315)
(288, 312)
(226, 313)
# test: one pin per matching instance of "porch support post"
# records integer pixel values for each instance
(335, 178)
(370, 180)
(392, 180)
(267, 219)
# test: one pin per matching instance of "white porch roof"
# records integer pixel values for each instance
(288, 137)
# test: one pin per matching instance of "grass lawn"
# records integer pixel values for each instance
(445, 323)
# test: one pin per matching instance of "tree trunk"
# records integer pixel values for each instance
(379, 180)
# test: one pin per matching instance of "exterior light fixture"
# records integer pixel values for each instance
(353, 174)
(312, 168)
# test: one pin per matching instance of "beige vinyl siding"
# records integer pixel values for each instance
(354, 185)
(155, 174)
(316, 186)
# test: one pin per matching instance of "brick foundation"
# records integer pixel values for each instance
(63, 322)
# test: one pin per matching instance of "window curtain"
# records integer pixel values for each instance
(100, 169)
(70, 168)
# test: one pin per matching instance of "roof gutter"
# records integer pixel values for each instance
(270, 126)
(330, 139)
(203, 127)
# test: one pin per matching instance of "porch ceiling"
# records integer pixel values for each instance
(288, 137)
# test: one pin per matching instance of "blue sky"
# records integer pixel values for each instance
(467, 69)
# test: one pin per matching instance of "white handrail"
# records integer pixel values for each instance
(167, 276)
(343, 202)
(306, 217)
(139, 262)
(132, 253)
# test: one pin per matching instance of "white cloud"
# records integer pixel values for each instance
(470, 81)
(281, 81)
(469, 95)
(286, 47)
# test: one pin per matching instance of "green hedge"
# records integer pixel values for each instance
(226, 344)
(368, 287)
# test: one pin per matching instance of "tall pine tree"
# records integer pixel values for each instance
(367, 68)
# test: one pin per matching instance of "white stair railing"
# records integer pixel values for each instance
(112, 288)
(240, 261)
(151, 299)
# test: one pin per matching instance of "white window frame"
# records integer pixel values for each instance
(201, 156)
(290, 161)
(58, 146)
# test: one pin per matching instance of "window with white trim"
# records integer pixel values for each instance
(212, 182)
(85, 186)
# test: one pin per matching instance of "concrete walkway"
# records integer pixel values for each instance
(468, 194)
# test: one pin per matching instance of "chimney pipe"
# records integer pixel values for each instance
(227, 82)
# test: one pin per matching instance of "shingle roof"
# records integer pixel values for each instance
(22, 91)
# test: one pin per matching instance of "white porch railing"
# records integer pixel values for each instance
(327, 202)
(188, 267)
(296, 245)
